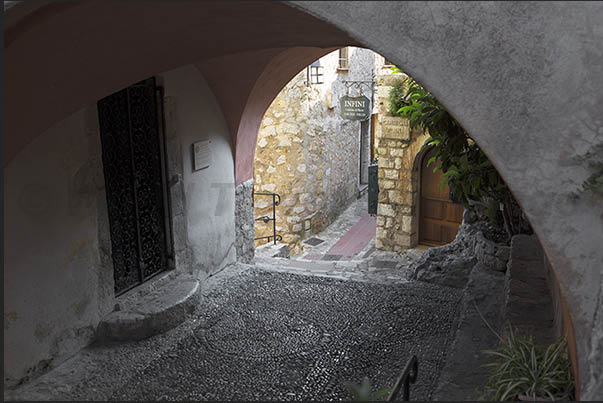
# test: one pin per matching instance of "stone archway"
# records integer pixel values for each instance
(523, 78)
(559, 131)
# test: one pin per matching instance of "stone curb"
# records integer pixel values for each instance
(382, 276)
(153, 314)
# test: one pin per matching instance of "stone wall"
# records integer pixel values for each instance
(244, 228)
(535, 304)
(308, 154)
(397, 150)
(528, 305)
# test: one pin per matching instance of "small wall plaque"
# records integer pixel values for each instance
(201, 155)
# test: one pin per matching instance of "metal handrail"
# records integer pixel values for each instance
(276, 200)
(408, 376)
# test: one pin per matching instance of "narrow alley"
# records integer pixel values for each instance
(344, 250)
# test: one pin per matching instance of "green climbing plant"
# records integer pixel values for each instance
(396, 97)
(466, 169)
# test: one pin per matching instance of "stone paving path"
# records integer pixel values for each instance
(286, 329)
(261, 335)
(331, 235)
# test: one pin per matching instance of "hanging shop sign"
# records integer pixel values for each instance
(355, 108)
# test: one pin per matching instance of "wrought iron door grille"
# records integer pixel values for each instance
(133, 163)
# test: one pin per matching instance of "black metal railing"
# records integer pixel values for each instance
(408, 376)
(276, 200)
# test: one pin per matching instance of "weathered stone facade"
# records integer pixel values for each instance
(308, 154)
(397, 148)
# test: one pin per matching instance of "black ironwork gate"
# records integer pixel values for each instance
(131, 128)
(365, 151)
(373, 188)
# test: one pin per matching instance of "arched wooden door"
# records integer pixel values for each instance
(440, 218)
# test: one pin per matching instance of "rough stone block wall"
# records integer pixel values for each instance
(397, 150)
(308, 154)
(244, 227)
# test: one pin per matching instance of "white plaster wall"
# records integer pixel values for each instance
(53, 297)
(210, 192)
(58, 281)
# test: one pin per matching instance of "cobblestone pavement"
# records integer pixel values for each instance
(262, 335)
(282, 329)
(279, 336)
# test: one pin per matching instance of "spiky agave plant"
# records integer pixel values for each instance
(522, 368)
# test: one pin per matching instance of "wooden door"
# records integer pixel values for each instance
(440, 218)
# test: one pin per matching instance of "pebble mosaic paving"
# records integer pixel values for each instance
(280, 336)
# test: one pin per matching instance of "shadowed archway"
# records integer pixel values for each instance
(523, 78)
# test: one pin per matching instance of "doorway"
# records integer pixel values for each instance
(440, 217)
(133, 153)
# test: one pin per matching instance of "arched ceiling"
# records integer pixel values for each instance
(62, 56)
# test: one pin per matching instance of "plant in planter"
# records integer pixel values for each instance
(522, 370)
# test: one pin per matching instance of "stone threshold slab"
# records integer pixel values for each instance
(153, 313)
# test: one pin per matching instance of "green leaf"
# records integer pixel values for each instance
(406, 110)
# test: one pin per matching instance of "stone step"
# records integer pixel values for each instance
(337, 271)
(156, 312)
(302, 264)
(273, 250)
(314, 264)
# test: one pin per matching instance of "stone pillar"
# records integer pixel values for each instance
(244, 224)
(397, 149)
(396, 196)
